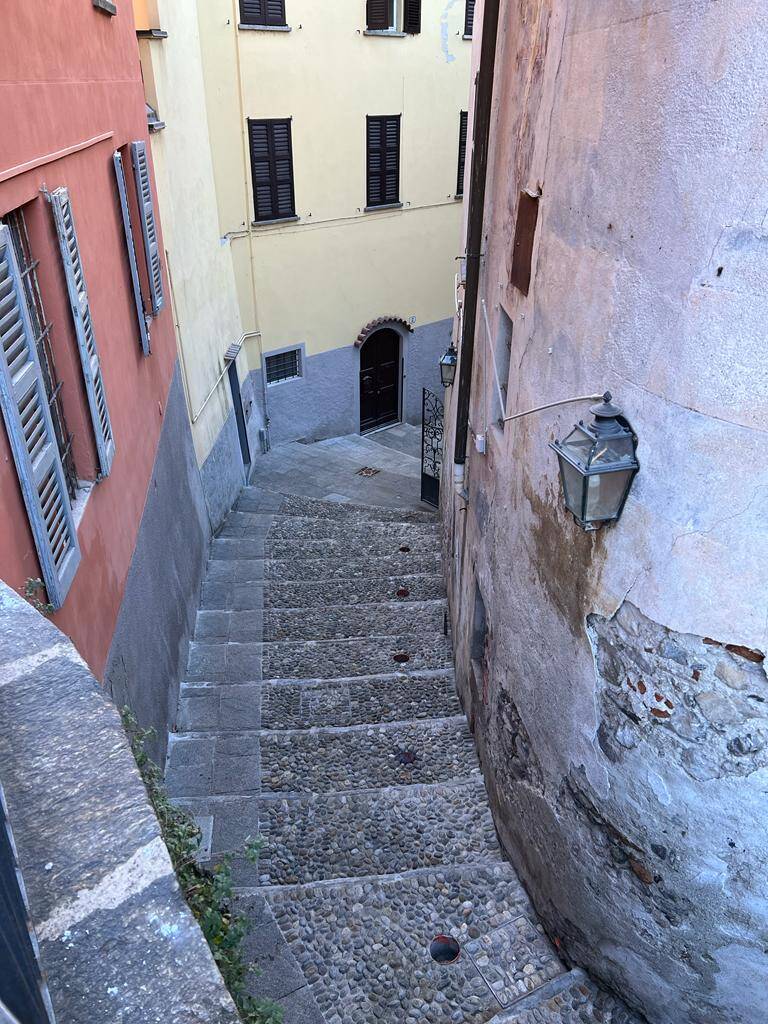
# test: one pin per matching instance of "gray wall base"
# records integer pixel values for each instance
(117, 941)
(157, 616)
(223, 474)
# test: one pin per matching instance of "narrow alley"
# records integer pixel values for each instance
(319, 713)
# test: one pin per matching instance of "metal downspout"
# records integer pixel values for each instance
(481, 135)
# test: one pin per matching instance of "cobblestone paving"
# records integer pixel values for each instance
(401, 588)
(358, 701)
(359, 621)
(322, 761)
(369, 943)
(377, 833)
(319, 713)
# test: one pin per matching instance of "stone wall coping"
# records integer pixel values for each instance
(117, 940)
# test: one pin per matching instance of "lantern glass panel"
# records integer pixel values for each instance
(605, 494)
(578, 445)
(613, 449)
(573, 487)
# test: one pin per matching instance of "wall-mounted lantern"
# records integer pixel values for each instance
(597, 466)
(448, 366)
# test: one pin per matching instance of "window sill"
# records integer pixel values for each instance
(264, 28)
(84, 491)
(275, 220)
(383, 206)
(459, 197)
(106, 7)
(392, 33)
(285, 380)
(151, 33)
(465, 36)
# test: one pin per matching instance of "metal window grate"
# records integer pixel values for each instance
(42, 328)
(283, 366)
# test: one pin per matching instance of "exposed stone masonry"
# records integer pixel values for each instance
(320, 714)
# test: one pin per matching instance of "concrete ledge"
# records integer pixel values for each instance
(117, 940)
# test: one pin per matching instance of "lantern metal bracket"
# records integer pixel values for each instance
(551, 405)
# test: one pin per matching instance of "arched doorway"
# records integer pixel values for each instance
(380, 379)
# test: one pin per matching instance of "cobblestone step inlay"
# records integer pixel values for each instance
(309, 569)
(326, 659)
(342, 622)
(372, 546)
(303, 527)
(325, 594)
(579, 1002)
(383, 832)
(365, 946)
(328, 760)
(357, 701)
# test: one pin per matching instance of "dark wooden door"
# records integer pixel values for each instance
(379, 379)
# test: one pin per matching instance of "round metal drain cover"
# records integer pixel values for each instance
(403, 592)
(404, 548)
(402, 658)
(444, 949)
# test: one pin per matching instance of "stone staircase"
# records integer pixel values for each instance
(319, 713)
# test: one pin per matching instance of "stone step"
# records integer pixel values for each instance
(367, 757)
(307, 839)
(570, 999)
(364, 944)
(248, 554)
(253, 499)
(388, 619)
(393, 698)
(327, 593)
(328, 659)
(348, 547)
(337, 623)
(277, 527)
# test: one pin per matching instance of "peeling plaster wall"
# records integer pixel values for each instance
(638, 828)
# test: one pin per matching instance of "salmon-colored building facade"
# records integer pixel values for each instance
(70, 102)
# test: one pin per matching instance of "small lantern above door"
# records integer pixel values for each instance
(597, 466)
(448, 366)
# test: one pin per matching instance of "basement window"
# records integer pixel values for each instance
(283, 366)
(525, 233)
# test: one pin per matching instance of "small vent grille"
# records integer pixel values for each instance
(283, 366)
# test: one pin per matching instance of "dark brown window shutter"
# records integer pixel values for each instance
(412, 17)
(469, 17)
(525, 234)
(262, 12)
(463, 118)
(383, 154)
(379, 15)
(272, 169)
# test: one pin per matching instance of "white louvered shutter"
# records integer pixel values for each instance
(30, 432)
(122, 192)
(148, 227)
(86, 340)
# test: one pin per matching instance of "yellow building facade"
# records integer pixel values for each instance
(333, 285)
(201, 276)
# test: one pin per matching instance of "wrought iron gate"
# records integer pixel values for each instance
(431, 447)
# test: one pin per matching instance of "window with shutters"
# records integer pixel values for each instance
(463, 118)
(383, 161)
(272, 169)
(146, 205)
(263, 13)
(42, 330)
(381, 15)
(469, 19)
(283, 366)
(74, 273)
(27, 411)
(143, 320)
